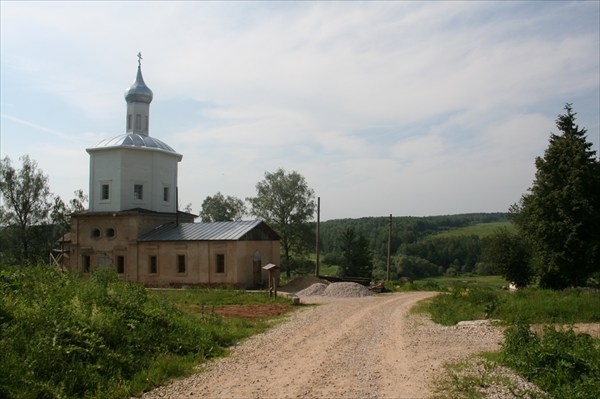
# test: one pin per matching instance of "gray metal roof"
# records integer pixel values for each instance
(134, 140)
(254, 230)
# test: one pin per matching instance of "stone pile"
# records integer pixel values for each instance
(337, 290)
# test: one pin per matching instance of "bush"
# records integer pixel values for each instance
(62, 336)
(563, 364)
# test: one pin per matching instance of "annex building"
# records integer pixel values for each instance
(133, 223)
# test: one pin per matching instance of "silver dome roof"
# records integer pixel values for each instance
(138, 91)
(135, 140)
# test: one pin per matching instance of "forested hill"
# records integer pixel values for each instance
(405, 229)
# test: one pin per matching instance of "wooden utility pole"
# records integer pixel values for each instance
(317, 269)
(389, 254)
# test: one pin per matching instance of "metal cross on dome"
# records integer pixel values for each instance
(139, 55)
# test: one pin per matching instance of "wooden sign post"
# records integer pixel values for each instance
(273, 278)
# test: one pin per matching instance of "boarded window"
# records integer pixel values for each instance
(180, 263)
(138, 192)
(120, 264)
(152, 264)
(86, 261)
(220, 263)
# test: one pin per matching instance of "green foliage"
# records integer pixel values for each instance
(356, 257)
(527, 305)
(462, 304)
(286, 202)
(412, 267)
(219, 208)
(462, 252)
(62, 336)
(509, 253)
(564, 364)
(26, 202)
(534, 305)
(481, 230)
(561, 213)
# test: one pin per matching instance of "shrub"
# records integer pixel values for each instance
(564, 364)
(62, 336)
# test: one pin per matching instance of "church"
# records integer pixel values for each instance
(134, 226)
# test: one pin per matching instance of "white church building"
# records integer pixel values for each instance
(133, 223)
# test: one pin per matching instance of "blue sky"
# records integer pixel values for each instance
(404, 108)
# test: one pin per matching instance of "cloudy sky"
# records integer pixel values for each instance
(404, 108)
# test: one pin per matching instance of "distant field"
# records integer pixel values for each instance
(480, 229)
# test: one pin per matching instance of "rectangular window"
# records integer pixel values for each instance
(166, 194)
(145, 123)
(138, 192)
(138, 122)
(180, 263)
(220, 263)
(120, 260)
(129, 122)
(86, 261)
(105, 195)
(152, 264)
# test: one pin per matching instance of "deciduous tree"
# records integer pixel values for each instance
(560, 214)
(27, 199)
(285, 202)
(219, 208)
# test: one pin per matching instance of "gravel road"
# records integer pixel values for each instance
(368, 347)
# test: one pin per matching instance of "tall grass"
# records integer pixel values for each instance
(63, 337)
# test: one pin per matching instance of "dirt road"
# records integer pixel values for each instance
(347, 348)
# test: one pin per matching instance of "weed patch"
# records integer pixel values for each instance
(62, 336)
(564, 364)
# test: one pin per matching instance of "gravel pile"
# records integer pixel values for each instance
(313, 290)
(337, 290)
(301, 283)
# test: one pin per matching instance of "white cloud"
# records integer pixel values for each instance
(404, 107)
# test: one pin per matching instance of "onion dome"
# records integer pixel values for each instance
(138, 91)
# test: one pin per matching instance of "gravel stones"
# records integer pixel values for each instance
(336, 290)
(313, 290)
(301, 283)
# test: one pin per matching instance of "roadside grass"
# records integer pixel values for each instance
(447, 283)
(561, 363)
(217, 296)
(63, 336)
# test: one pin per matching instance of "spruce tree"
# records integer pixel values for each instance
(560, 214)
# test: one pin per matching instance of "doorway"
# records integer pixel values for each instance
(256, 267)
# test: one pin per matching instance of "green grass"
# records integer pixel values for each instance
(62, 336)
(480, 229)
(217, 297)
(448, 283)
(562, 364)
(525, 306)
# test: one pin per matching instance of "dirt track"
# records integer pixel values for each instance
(347, 348)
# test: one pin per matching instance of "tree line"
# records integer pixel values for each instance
(557, 239)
